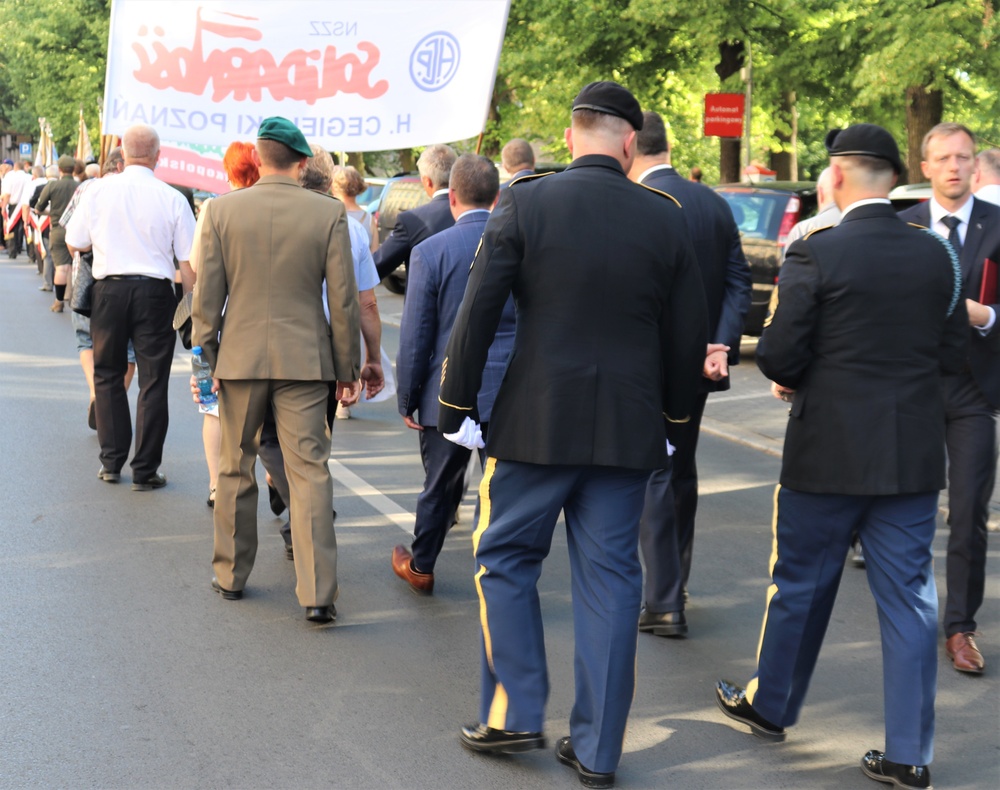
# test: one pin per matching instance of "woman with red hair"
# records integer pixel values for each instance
(241, 172)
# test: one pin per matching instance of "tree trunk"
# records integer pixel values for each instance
(356, 159)
(407, 163)
(729, 159)
(731, 56)
(924, 108)
(785, 161)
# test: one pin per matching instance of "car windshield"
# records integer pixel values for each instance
(757, 214)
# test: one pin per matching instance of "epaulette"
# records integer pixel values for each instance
(917, 225)
(817, 230)
(528, 177)
(665, 194)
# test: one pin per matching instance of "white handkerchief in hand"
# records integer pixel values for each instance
(670, 449)
(468, 435)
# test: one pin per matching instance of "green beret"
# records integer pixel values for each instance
(284, 131)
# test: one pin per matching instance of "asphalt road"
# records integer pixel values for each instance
(121, 669)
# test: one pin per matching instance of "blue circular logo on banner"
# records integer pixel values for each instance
(434, 61)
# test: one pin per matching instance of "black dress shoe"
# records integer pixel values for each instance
(149, 483)
(732, 700)
(321, 614)
(566, 755)
(229, 595)
(108, 476)
(672, 624)
(480, 738)
(878, 768)
(277, 503)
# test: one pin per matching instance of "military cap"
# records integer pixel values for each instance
(611, 99)
(864, 139)
(284, 131)
(66, 163)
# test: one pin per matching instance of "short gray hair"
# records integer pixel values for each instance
(318, 172)
(140, 142)
(435, 163)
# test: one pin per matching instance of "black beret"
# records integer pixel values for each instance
(284, 131)
(612, 99)
(864, 139)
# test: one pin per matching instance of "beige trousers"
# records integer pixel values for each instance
(300, 415)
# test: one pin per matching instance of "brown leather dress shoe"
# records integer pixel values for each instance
(402, 564)
(962, 650)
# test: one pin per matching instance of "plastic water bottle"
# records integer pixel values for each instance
(203, 376)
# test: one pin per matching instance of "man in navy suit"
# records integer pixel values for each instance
(869, 317)
(973, 394)
(667, 526)
(422, 222)
(518, 159)
(439, 271)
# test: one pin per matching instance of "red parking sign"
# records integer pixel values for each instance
(724, 114)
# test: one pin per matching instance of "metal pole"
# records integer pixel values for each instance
(749, 99)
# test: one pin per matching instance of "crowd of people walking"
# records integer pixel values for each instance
(569, 329)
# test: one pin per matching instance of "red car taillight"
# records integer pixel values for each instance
(789, 219)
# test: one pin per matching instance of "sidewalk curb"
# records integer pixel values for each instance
(756, 441)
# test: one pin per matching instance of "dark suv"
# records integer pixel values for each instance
(400, 193)
(765, 213)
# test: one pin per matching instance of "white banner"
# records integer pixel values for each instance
(353, 76)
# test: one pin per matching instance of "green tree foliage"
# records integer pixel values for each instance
(53, 63)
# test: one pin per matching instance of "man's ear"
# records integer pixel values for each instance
(452, 198)
(255, 157)
(568, 136)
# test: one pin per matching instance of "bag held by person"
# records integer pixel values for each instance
(83, 283)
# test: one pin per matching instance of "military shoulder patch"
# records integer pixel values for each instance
(661, 192)
(529, 177)
(817, 230)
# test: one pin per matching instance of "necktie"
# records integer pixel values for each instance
(952, 222)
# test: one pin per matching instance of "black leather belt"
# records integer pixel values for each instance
(131, 277)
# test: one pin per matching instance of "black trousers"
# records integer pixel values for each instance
(666, 529)
(971, 436)
(444, 481)
(140, 310)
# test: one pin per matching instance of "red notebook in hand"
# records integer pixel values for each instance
(988, 288)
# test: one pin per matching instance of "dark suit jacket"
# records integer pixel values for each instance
(862, 333)
(411, 228)
(436, 280)
(981, 241)
(725, 272)
(611, 324)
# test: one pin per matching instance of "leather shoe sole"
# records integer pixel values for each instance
(149, 483)
(229, 595)
(402, 566)
(910, 777)
(732, 701)
(321, 614)
(108, 476)
(566, 755)
(480, 738)
(669, 624)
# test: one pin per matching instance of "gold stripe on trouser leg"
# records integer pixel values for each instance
(771, 590)
(497, 718)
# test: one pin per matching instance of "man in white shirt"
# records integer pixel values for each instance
(14, 191)
(136, 226)
(986, 180)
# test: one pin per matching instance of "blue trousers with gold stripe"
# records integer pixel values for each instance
(519, 507)
(812, 536)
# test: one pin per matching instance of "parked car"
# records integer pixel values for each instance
(764, 214)
(372, 192)
(400, 193)
(909, 195)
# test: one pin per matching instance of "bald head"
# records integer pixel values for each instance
(141, 145)
(824, 188)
